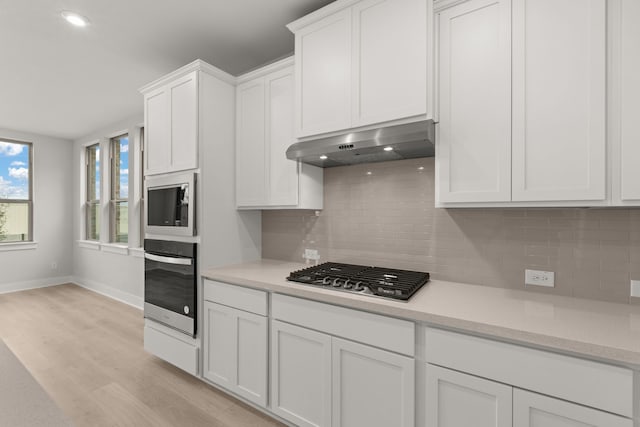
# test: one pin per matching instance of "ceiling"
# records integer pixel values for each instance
(66, 82)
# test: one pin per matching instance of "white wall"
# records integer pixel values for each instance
(52, 218)
(119, 275)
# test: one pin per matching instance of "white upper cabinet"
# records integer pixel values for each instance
(389, 62)
(324, 75)
(265, 178)
(360, 63)
(559, 100)
(250, 144)
(184, 122)
(522, 102)
(171, 126)
(625, 99)
(157, 141)
(283, 180)
(474, 132)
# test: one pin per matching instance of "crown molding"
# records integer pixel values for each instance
(197, 65)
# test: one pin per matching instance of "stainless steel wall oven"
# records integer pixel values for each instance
(170, 281)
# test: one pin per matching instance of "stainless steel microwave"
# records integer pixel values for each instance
(170, 204)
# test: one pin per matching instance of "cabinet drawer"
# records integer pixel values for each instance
(251, 300)
(380, 331)
(582, 381)
(173, 350)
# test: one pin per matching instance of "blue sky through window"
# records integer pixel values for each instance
(14, 171)
(124, 168)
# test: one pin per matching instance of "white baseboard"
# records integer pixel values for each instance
(109, 291)
(34, 284)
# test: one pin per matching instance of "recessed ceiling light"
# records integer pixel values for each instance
(75, 18)
(323, 157)
(388, 148)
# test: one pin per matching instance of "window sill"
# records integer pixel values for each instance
(136, 252)
(18, 246)
(114, 248)
(89, 244)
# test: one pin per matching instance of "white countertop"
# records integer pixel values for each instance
(601, 330)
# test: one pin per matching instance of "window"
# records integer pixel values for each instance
(119, 206)
(92, 205)
(16, 203)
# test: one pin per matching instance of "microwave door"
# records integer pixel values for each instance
(163, 204)
(170, 205)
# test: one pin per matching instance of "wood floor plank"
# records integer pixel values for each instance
(86, 350)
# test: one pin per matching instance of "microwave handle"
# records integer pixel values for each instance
(168, 260)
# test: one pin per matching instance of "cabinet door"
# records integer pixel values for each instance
(559, 112)
(157, 148)
(220, 349)
(283, 173)
(323, 73)
(236, 351)
(371, 387)
(252, 357)
(251, 178)
(474, 132)
(390, 60)
(300, 375)
(184, 122)
(629, 81)
(534, 410)
(455, 400)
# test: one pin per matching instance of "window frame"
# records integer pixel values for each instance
(113, 197)
(29, 201)
(89, 202)
(140, 175)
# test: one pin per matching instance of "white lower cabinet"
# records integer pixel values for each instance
(535, 410)
(320, 380)
(455, 399)
(236, 351)
(300, 375)
(371, 387)
(473, 381)
(171, 346)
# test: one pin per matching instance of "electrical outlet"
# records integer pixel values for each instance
(539, 278)
(54, 265)
(311, 254)
(635, 288)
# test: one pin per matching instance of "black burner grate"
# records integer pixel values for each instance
(384, 282)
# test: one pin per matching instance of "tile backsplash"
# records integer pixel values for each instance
(383, 214)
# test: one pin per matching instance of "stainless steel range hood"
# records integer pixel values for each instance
(376, 145)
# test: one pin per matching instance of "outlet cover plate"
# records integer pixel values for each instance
(539, 278)
(311, 254)
(635, 288)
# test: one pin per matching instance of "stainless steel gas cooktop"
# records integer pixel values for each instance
(373, 281)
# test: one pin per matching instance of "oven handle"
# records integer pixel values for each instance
(168, 259)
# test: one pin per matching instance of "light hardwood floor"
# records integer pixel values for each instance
(86, 351)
